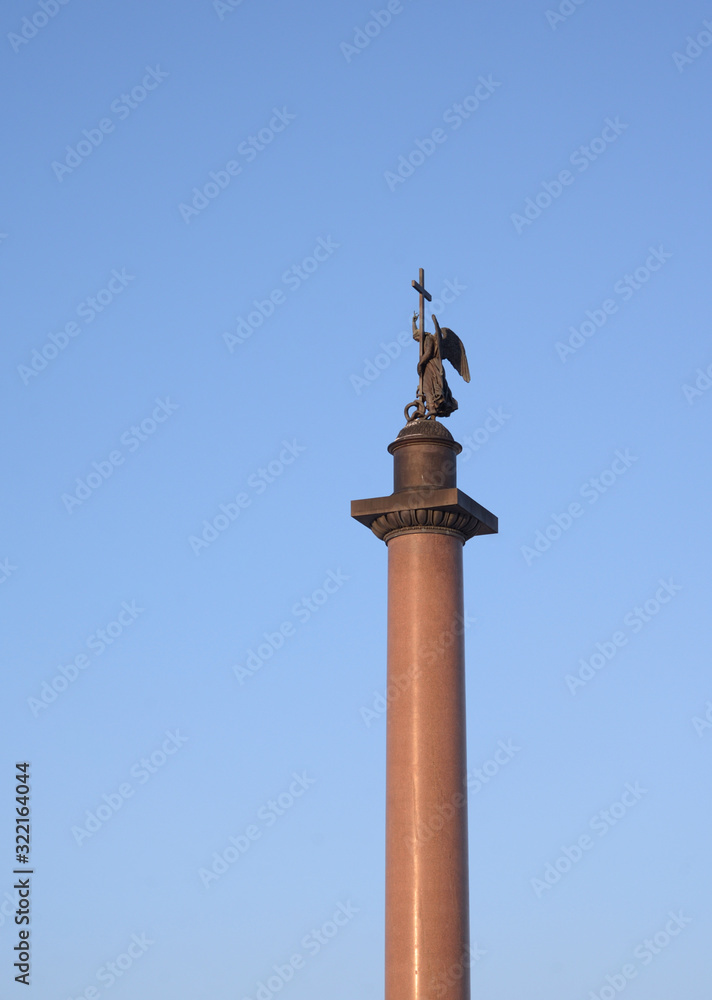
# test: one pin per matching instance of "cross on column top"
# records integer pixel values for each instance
(419, 286)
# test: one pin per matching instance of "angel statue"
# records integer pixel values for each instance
(434, 396)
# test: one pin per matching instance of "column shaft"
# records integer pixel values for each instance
(427, 924)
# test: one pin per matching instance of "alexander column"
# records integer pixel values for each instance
(425, 523)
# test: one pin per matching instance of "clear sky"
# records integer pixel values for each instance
(212, 214)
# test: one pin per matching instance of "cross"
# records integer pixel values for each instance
(419, 286)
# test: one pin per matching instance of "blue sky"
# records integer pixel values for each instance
(212, 216)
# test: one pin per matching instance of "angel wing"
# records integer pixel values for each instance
(453, 350)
